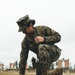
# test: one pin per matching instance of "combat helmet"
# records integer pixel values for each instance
(24, 22)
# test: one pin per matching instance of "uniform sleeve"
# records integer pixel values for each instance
(51, 36)
(23, 57)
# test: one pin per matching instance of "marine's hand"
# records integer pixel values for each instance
(39, 39)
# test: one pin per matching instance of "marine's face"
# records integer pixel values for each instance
(28, 30)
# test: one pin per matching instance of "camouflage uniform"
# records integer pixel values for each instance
(47, 52)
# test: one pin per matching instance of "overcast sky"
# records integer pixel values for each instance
(57, 14)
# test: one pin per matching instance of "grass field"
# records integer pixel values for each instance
(13, 73)
(7, 73)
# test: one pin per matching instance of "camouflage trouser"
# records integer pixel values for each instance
(46, 55)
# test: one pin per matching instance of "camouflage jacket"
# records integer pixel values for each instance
(50, 37)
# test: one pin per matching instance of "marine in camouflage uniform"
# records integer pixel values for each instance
(46, 50)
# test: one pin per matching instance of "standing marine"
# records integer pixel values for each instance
(40, 40)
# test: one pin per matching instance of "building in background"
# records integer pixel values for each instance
(64, 63)
(1, 66)
(26, 66)
(11, 66)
